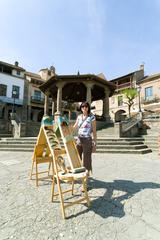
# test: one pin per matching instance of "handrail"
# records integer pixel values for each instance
(130, 123)
(15, 121)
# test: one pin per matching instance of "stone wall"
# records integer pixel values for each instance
(32, 129)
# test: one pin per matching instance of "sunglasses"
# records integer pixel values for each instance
(84, 107)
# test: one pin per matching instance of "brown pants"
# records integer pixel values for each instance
(84, 145)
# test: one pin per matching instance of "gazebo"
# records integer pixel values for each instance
(77, 88)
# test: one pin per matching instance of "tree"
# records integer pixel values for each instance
(130, 94)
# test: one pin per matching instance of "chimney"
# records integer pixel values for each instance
(141, 67)
(16, 63)
(53, 70)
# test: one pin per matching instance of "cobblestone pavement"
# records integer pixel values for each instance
(124, 193)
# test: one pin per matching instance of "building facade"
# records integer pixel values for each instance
(20, 93)
(12, 84)
(150, 94)
(118, 106)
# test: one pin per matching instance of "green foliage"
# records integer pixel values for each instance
(130, 94)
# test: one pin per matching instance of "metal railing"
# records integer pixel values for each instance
(37, 99)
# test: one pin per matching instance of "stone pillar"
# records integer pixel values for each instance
(29, 113)
(106, 105)
(53, 108)
(89, 86)
(59, 98)
(46, 104)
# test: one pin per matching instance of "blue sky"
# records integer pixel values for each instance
(89, 36)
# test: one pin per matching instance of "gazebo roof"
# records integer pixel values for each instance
(74, 89)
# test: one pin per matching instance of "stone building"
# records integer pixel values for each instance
(150, 94)
(20, 94)
(118, 109)
(12, 94)
(35, 103)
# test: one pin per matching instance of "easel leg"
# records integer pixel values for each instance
(61, 197)
(72, 186)
(32, 169)
(59, 188)
(49, 166)
(52, 189)
(36, 174)
(52, 168)
(85, 191)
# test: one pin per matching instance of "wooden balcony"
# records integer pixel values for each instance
(123, 86)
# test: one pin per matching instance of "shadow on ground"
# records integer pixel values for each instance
(110, 205)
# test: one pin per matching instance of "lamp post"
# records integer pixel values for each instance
(139, 101)
(14, 93)
(139, 98)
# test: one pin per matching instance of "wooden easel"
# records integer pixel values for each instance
(68, 174)
(41, 155)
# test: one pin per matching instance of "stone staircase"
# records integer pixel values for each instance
(5, 135)
(17, 144)
(107, 142)
(122, 145)
(151, 138)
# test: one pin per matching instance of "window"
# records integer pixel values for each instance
(15, 91)
(3, 90)
(113, 100)
(120, 100)
(37, 95)
(18, 72)
(148, 93)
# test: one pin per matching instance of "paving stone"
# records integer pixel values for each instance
(124, 193)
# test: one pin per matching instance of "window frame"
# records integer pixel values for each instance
(148, 93)
(3, 90)
(17, 89)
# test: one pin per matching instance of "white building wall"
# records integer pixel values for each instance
(10, 81)
(14, 73)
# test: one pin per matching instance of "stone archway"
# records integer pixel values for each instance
(120, 115)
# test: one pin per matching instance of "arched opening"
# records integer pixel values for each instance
(120, 115)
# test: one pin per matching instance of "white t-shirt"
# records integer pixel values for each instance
(85, 126)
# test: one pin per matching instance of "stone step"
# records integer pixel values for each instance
(6, 135)
(144, 151)
(17, 142)
(148, 141)
(19, 139)
(100, 138)
(16, 146)
(6, 149)
(101, 142)
(142, 146)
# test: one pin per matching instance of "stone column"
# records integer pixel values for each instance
(89, 86)
(53, 108)
(106, 105)
(46, 104)
(59, 98)
(29, 113)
